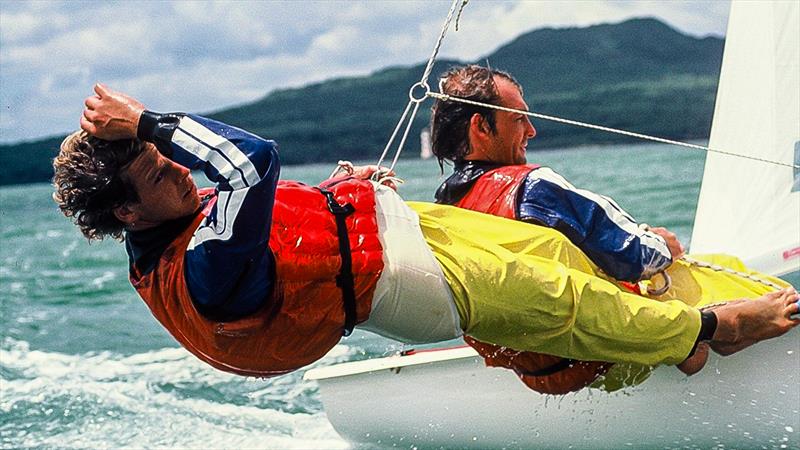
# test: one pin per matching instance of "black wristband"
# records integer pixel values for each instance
(158, 128)
(708, 325)
(148, 122)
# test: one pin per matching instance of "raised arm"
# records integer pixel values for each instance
(229, 268)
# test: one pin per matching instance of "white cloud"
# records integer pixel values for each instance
(203, 55)
(18, 27)
(335, 42)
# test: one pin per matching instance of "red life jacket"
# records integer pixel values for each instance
(496, 193)
(304, 315)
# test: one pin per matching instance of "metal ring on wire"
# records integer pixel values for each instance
(662, 289)
(419, 84)
(379, 175)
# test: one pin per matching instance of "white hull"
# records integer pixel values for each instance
(449, 398)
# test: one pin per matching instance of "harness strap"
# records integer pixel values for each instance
(344, 280)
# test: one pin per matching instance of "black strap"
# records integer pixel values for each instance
(344, 280)
(708, 326)
(565, 363)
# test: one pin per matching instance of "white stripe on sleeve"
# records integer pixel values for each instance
(617, 215)
(229, 203)
(218, 151)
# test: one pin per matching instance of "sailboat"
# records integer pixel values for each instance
(448, 398)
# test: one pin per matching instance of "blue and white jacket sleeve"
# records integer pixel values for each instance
(228, 266)
(596, 224)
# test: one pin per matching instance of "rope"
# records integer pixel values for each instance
(423, 84)
(458, 18)
(697, 263)
(382, 175)
(445, 97)
(719, 268)
(439, 41)
(415, 101)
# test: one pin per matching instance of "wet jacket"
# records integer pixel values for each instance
(596, 224)
(273, 304)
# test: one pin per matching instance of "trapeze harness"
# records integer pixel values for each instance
(333, 272)
(328, 260)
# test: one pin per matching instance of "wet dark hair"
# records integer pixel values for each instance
(89, 182)
(450, 120)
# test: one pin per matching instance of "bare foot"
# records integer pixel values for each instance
(741, 324)
(696, 362)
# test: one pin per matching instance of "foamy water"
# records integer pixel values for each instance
(161, 398)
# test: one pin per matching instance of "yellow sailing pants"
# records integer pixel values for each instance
(529, 288)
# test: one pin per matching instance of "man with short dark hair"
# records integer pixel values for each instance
(488, 150)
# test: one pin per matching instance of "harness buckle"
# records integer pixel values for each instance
(335, 208)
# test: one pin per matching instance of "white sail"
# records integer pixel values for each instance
(747, 208)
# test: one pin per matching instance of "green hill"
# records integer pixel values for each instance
(640, 75)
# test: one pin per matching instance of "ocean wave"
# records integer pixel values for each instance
(159, 398)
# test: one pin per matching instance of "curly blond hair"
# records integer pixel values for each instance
(89, 182)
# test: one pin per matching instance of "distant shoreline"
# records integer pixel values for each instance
(408, 152)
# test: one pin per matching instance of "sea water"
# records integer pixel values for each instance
(84, 365)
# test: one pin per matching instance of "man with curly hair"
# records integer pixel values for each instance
(260, 277)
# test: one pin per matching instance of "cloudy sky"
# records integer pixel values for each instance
(201, 56)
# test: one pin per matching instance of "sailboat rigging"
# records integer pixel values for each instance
(447, 397)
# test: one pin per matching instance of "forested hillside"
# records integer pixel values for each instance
(640, 75)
